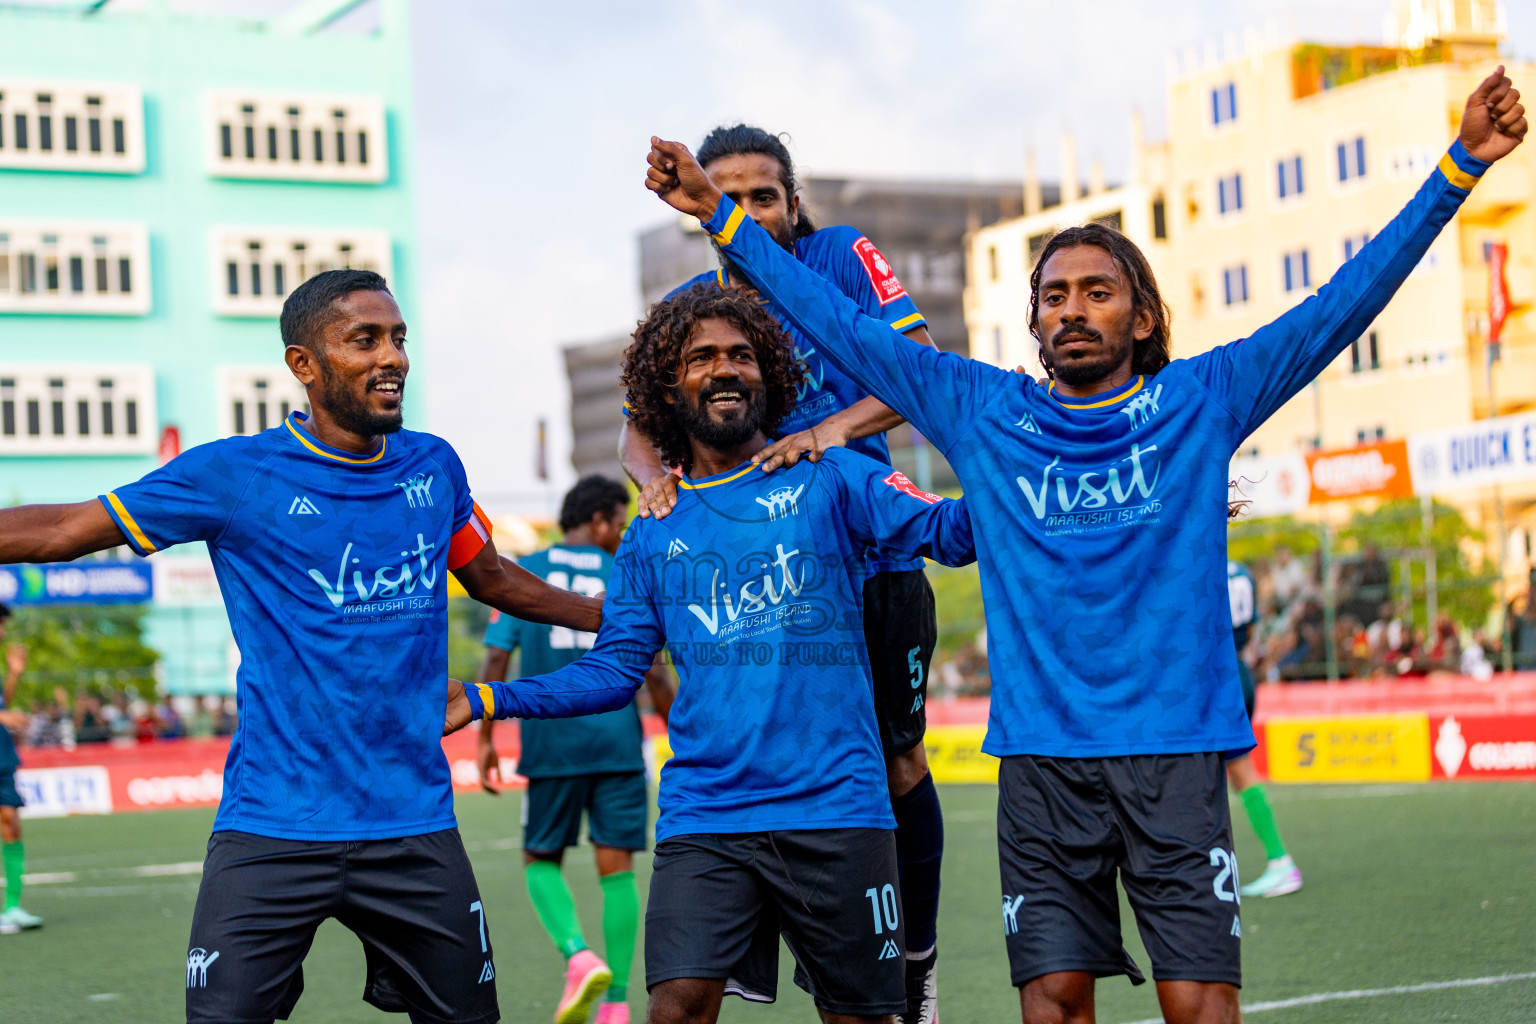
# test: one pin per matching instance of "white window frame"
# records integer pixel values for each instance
(261, 124)
(1294, 262)
(252, 386)
(81, 383)
(258, 252)
(1223, 104)
(35, 253)
(1290, 171)
(117, 106)
(1358, 160)
(1227, 272)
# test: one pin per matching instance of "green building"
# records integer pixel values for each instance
(165, 179)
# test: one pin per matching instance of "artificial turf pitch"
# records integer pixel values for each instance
(1405, 885)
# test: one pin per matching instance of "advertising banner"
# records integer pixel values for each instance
(1362, 748)
(1484, 747)
(1377, 470)
(56, 792)
(1501, 450)
(76, 583)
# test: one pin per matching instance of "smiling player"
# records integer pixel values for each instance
(332, 536)
(1101, 507)
(775, 816)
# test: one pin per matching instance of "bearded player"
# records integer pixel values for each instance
(332, 536)
(755, 168)
(774, 815)
(1100, 505)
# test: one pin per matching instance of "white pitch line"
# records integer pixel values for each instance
(1371, 993)
(188, 867)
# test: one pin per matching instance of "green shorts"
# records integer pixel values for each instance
(615, 804)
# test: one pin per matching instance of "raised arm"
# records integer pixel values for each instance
(504, 585)
(1257, 375)
(56, 533)
(603, 679)
(936, 391)
(884, 509)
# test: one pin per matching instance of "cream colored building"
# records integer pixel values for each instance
(1281, 159)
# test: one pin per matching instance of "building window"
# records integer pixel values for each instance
(59, 128)
(1034, 245)
(1365, 354)
(1354, 243)
(1224, 103)
(1159, 218)
(257, 398)
(1234, 283)
(997, 345)
(1351, 158)
(1297, 270)
(992, 263)
(65, 270)
(304, 138)
(1290, 180)
(1366, 435)
(1229, 193)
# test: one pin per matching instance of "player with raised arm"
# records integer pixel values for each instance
(593, 764)
(1281, 875)
(755, 168)
(775, 816)
(1101, 510)
(332, 536)
(13, 918)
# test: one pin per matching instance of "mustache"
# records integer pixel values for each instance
(1078, 331)
(380, 378)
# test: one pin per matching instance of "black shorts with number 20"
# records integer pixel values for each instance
(1067, 826)
(901, 628)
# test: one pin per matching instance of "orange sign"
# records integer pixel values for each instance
(1377, 470)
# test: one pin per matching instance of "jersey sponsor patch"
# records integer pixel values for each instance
(899, 481)
(881, 275)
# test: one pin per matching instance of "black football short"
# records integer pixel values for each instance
(719, 903)
(901, 628)
(412, 901)
(1066, 827)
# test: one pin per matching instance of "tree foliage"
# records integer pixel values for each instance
(76, 646)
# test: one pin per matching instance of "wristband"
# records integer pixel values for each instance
(482, 701)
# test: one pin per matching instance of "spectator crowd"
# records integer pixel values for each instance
(1374, 635)
(123, 716)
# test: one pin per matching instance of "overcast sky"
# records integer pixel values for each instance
(532, 122)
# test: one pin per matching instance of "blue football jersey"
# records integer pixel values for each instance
(1101, 521)
(560, 747)
(754, 584)
(334, 569)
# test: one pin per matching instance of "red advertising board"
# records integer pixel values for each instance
(1483, 747)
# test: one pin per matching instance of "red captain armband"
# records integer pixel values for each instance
(472, 536)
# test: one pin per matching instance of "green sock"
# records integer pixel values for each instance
(556, 908)
(1256, 803)
(15, 856)
(621, 923)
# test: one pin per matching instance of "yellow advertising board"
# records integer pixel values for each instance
(954, 754)
(1358, 748)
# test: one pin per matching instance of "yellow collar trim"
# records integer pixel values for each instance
(749, 467)
(384, 443)
(1099, 405)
